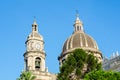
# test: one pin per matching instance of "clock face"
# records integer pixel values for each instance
(37, 46)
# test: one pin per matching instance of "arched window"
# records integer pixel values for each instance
(37, 63)
(78, 28)
(26, 64)
(35, 28)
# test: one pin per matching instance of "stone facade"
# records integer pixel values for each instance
(113, 63)
(35, 56)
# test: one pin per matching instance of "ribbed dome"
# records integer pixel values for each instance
(79, 40)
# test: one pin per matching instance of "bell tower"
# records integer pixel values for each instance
(34, 57)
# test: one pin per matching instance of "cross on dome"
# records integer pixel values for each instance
(78, 25)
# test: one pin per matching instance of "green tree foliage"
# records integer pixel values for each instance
(26, 75)
(77, 61)
(102, 75)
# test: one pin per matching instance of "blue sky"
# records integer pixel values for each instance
(55, 18)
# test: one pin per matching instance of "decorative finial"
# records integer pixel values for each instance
(77, 14)
(34, 18)
(78, 24)
(34, 22)
(34, 25)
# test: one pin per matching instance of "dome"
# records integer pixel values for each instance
(35, 35)
(79, 40)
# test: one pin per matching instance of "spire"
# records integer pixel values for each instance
(117, 53)
(77, 15)
(78, 25)
(34, 26)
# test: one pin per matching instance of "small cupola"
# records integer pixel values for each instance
(78, 25)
